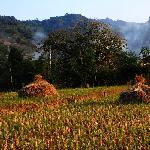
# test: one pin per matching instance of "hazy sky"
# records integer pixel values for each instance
(128, 10)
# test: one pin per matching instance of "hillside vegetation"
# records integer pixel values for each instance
(26, 33)
(73, 52)
(76, 119)
(30, 32)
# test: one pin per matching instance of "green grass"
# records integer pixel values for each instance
(82, 124)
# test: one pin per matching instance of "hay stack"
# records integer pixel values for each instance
(138, 93)
(38, 88)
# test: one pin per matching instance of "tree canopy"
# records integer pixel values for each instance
(86, 50)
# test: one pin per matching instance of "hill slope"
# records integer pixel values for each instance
(27, 34)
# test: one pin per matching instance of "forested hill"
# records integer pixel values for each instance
(20, 32)
(16, 33)
(56, 23)
(26, 34)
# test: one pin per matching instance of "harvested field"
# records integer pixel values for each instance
(74, 119)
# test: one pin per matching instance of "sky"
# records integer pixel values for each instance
(127, 10)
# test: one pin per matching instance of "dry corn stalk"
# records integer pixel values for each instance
(139, 92)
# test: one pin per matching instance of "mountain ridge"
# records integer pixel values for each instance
(28, 33)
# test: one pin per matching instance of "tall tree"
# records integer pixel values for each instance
(15, 60)
(4, 82)
(85, 50)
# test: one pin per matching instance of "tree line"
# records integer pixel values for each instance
(86, 55)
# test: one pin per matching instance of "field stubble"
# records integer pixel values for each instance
(76, 119)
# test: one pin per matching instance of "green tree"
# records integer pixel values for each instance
(145, 62)
(15, 60)
(84, 50)
(4, 71)
(145, 52)
(128, 67)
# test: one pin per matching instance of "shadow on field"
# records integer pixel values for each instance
(106, 103)
(134, 101)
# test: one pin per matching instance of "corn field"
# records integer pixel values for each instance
(75, 119)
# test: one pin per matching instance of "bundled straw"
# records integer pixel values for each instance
(138, 92)
(39, 88)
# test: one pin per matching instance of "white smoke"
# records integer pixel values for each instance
(136, 35)
(38, 39)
